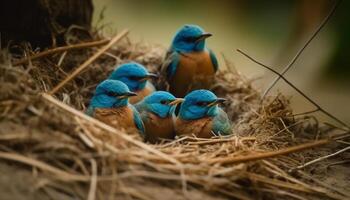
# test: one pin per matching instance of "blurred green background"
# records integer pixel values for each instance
(270, 31)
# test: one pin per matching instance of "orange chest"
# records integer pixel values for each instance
(157, 127)
(194, 71)
(197, 63)
(200, 127)
(140, 95)
(120, 118)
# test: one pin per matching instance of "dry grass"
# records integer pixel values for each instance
(80, 157)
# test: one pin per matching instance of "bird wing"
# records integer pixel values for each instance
(222, 123)
(213, 60)
(138, 121)
(141, 108)
(171, 62)
(90, 111)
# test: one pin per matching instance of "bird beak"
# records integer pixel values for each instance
(127, 95)
(149, 76)
(203, 36)
(217, 101)
(176, 101)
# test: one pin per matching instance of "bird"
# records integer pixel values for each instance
(201, 116)
(189, 64)
(157, 114)
(136, 77)
(110, 105)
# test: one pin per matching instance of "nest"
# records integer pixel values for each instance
(72, 156)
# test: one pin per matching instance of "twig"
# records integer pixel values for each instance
(93, 183)
(321, 158)
(306, 113)
(278, 183)
(43, 166)
(340, 136)
(214, 141)
(173, 142)
(86, 140)
(337, 163)
(89, 61)
(109, 129)
(345, 194)
(60, 49)
(319, 28)
(284, 193)
(296, 89)
(259, 156)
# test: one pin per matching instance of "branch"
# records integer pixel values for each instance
(89, 61)
(60, 49)
(296, 89)
(323, 23)
(259, 156)
(322, 158)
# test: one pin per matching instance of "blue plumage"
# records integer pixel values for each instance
(133, 74)
(189, 39)
(138, 121)
(202, 106)
(214, 60)
(196, 106)
(136, 77)
(174, 62)
(106, 93)
(158, 103)
(111, 99)
(157, 113)
(189, 64)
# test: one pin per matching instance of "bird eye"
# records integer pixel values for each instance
(190, 39)
(201, 103)
(163, 102)
(134, 78)
(112, 94)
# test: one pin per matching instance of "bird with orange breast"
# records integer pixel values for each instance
(189, 64)
(110, 105)
(201, 116)
(157, 113)
(136, 77)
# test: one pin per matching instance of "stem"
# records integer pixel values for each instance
(323, 23)
(296, 89)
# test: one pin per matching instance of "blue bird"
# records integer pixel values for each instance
(136, 77)
(189, 64)
(157, 113)
(201, 116)
(110, 105)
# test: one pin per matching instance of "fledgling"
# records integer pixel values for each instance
(110, 105)
(136, 77)
(157, 113)
(189, 64)
(201, 116)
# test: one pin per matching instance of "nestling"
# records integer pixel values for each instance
(110, 105)
(201, 116)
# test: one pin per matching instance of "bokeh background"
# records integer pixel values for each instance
(270, 31)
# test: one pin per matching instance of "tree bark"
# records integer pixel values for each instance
(42, 22)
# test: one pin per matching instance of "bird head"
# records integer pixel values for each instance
(199, 104)
(134, 75)
(161, 103)
(111, 94)
(190, 38)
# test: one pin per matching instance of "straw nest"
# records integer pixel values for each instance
(71, 156)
